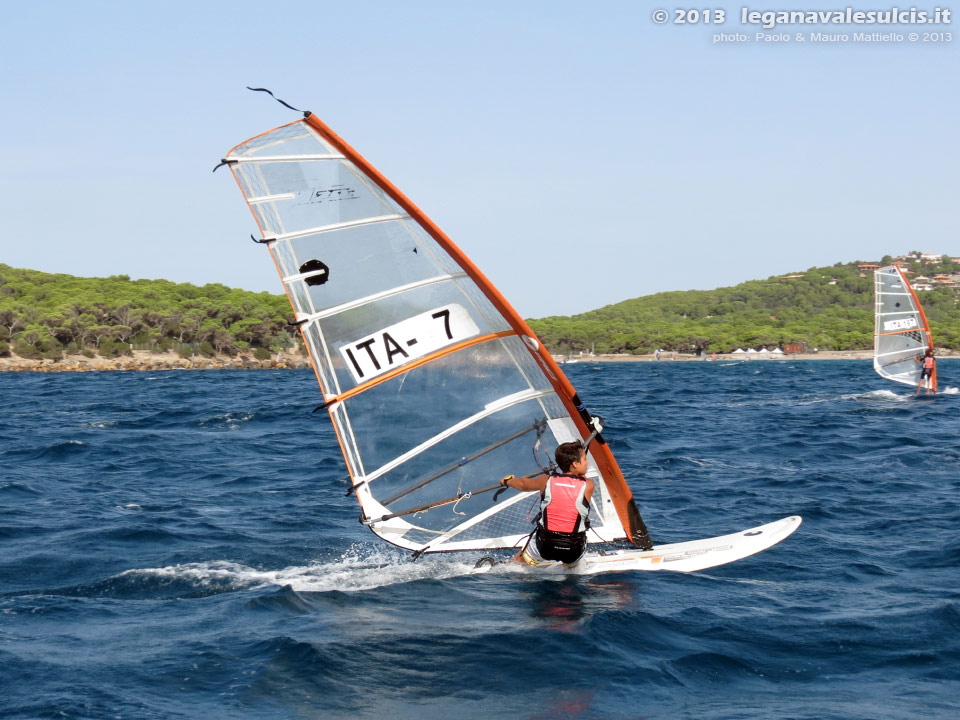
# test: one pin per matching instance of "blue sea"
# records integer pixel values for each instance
(178, 545)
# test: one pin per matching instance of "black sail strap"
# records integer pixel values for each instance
(285, 104)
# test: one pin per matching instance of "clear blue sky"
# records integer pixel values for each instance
(579, 153)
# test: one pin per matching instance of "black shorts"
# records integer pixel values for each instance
(564, 547)
(925, 373)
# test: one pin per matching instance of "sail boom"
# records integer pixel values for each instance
(460, 529)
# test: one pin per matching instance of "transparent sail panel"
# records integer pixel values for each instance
(375, 258)
(368, 341)
(900, 333)
(291, 197)
(293, 139)
(399, 414)
(455, 466)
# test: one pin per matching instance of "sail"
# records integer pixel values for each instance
(436, 388)
(901, 333)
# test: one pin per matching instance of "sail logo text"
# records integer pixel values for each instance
(904, 324)
(337, 193)
(408, 340)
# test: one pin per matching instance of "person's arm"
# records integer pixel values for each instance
(588, 493)
(525, 484)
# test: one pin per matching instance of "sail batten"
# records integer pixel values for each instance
(278, 237)
(270, 198)
(359, 302)
(433, 383)
(284, 158)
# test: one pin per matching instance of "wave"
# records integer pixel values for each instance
(887, 395)
(100, 424)
(226, 421)
(18, 490)
(57, 451)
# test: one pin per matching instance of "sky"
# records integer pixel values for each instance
(581, 154)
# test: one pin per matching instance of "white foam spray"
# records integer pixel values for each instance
(360, 568)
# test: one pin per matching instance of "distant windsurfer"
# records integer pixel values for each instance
(926, 372)
(561, 532)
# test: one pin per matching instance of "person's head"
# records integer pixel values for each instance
(567, 454)
(929, 351)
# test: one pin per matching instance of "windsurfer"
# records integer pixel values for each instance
(926, 372)
(561, 532)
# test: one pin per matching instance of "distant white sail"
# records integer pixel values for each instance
(435, 386)
(901, 333)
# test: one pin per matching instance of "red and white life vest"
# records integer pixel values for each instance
(928, 362)
(564, 507)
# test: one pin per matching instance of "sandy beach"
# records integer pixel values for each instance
(751, 357)
(143, 360)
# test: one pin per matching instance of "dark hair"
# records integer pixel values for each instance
(567, 454)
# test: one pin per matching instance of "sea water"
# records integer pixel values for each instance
(178, 545)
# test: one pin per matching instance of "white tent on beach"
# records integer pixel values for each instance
(777, 351)
(738, 351)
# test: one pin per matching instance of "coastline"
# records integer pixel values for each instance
(140, 360)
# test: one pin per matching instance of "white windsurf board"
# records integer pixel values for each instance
(679, 557)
